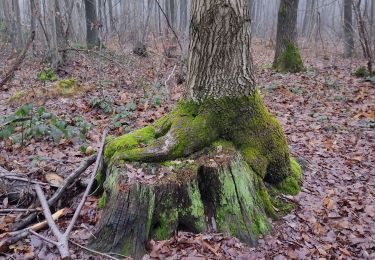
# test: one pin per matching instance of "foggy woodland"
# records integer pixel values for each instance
(178, 129)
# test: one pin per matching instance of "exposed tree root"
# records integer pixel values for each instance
(225, 195)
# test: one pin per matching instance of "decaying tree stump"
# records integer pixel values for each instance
(212, 190)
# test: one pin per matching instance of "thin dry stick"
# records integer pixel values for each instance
(166, 81)
(95, 52)
(12, 237)
(19, 210)
(15, 178)
(58, 194)
(63, 238)
(18, 61)
(62, 242)
(94, 251)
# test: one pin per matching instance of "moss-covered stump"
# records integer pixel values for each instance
(211, 191)
(289, 59)
(204, 167)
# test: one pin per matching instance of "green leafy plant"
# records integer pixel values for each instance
(27, 123)
(47, 75)
(103, 104)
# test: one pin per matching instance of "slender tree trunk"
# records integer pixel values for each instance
(348, 29)
(13, 23)
(17, 24)
(111, 18)
(221, 116)
(51, 30)
(308, 18)
(92, 38)
(287, 56)
(183, 16)
(33, 13)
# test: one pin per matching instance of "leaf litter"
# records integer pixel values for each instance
(327, 114)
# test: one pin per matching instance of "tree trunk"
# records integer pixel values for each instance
(17, 24)
(13, 23)
(308, 18)
(51, 30)
(348, 29)
(92, 39)
(287, 56)
(206, 165)
(111, 19)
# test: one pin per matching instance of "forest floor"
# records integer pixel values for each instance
(327, 113)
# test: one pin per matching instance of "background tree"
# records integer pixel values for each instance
(287, 56)
(222, 115)
(348, 29)
(309, 17)
(51, 34)
(13, 22)
(92, 35)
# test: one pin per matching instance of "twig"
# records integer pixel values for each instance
(93, 251)
(89, 186)
(12, 237)
(21, 119)
(92, 51)
(18, 61)
(62, 244)
(25, 180)
(166, 82)
(43, 237)
(18, 210)
(63, 238)
(169, 25)
(58, 194)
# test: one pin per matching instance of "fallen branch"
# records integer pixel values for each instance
(16, 120)
(63, 238)
(92, 51)
(12, 237)
(58, 194)
(18, 61)
(19, 210)
(15, 178)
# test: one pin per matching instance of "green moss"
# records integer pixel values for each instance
(129, 141)
(291, 184)
(289, 60)
(106, 185)
(166, 225)
(282, 10)
(66, 87)
(361, 72)
(102, 201)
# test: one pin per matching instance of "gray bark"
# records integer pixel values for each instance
(219, 43)
(51, 30)
(92, 38)
(348, 29)
(111, 19)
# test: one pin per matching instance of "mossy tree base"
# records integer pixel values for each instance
(227, 150)
(289, 60)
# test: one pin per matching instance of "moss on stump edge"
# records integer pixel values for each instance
(211, 167)
(289, 60)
